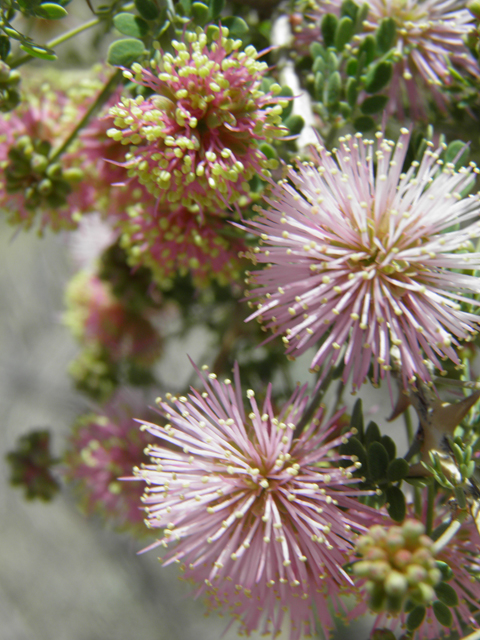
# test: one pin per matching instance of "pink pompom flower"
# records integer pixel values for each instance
(362, 257)
(102, 448)
(195, 141)
(260, 516)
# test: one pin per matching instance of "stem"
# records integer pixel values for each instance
(96, 104)
(452, 530)
(66, 36)
(473, 636)
(408, 425)
(417, 501)
(317, 398)
(430, 508)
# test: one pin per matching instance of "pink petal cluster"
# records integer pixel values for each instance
(195, 141)
(171, 242)
(103, 447)
(260, 516)
(362, 257)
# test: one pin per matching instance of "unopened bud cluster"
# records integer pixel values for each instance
(398, 565)
(30, 172)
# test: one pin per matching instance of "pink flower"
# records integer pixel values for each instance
(169, 242)
(195, 141)
(261, 516)
(363, 258)
(102, 448)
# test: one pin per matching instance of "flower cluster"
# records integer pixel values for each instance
(363, 257)
(453, 595)
(29, 181)
(171, 242)
(398, 564)
(257, 512)
(103, 447)
(195, 141)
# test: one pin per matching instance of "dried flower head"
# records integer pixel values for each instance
(257, 514)
(363, 258)
(102, 448)
(194, 142)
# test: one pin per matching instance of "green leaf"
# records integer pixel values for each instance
(38, 52)
(345, 110)
(368, 47)
(343, 33)
(377, 461)
(130, 25)
(397, 470)
(294, 124)
(328, 28)
(286, 92)
(397, 507)
(351, 67)
(318, 86)
(372, 433)
(373, 104)
(356, 421)
(446, 594)
(447, 573)
(415, 617)
(50, 11)
(442, 613)
(352, 92)
(457, 152)
(316, 50)
(4, 47)
(390, 446)
(353, 447)
(268, 151)
(216, 7)
(378, 76)
(334, 86)
(122, 53)
(385, 36)
(349, 9)
(148, 9)
(237, 27)
(200, 13)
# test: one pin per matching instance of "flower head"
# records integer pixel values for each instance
(103, 447)
(364, 258)
(194, 142)
(257, 514)
(169, 242)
